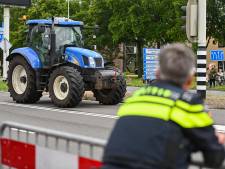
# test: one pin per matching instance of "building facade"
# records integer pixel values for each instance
(214, 45)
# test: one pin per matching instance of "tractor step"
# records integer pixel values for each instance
(44, 75)
(42, 79)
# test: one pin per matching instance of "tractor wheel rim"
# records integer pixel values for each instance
(61, 92)
(18, 84)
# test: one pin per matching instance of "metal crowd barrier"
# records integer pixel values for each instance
(50, 142)
(81, 146)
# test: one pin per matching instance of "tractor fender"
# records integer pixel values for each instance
(29, 54)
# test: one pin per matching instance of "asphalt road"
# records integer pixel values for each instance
(89, 118)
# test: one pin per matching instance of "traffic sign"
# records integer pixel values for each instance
(1, 34)
(217, 55)
(151, 62)
(5, 45)
(16, 2)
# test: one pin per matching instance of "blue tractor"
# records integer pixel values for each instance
(54, 60)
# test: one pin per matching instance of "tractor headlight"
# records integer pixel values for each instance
(92, 62)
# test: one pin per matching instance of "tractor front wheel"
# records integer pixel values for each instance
(22, 81)
(112, 96)
(66, 87)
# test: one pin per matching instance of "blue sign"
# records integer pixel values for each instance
(151, 62)
(1, 34)
(1, 37)
(217, 55)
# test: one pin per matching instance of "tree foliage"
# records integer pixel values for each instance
(143, 22)
(216, 20)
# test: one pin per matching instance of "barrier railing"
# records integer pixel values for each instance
(29, 147)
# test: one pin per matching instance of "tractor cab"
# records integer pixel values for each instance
(43, 37)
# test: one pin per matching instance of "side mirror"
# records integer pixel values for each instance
(41, 29)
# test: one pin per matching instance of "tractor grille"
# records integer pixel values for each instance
(98, 62)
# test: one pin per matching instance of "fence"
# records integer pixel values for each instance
(29, 147)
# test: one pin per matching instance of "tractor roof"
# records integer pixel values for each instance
(58, 21)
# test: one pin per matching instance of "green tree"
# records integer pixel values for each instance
(40, 9)
(102, 13)
(216, 20)
(145, 21)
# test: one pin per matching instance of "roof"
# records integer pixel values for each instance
(58, 21)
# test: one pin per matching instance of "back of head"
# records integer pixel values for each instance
(177, 63)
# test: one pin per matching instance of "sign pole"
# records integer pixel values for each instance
(6, 38)
(68, 1)
(202, 51)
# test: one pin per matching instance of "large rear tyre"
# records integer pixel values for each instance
(22, 81)
(66, 87)
(112, 96)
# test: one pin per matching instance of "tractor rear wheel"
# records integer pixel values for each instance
(112, 96)
(66, 87)
(22, 81)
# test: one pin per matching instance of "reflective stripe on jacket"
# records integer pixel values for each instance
(167, 105)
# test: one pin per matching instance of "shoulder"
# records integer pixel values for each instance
(189, 112)
(191, 102)
(192, 98)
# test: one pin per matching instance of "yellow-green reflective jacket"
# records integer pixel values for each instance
(169, 104)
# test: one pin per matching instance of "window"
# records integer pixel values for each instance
(68, 36)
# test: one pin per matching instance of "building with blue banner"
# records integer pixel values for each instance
(215, 55)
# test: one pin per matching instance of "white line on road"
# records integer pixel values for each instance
(60, 110)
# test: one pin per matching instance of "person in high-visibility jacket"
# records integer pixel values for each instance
(162, 124)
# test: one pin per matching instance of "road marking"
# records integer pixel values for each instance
(6, 93)
(60, 110)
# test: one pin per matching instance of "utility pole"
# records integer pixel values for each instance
(68, 1)
(202, 51)
(195, 26)
(6, 38)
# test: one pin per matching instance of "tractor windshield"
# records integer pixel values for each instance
(68, 36)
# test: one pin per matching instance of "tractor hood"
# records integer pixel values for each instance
(84, 52)
(84, 57)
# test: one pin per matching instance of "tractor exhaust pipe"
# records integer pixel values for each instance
(53, 43)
